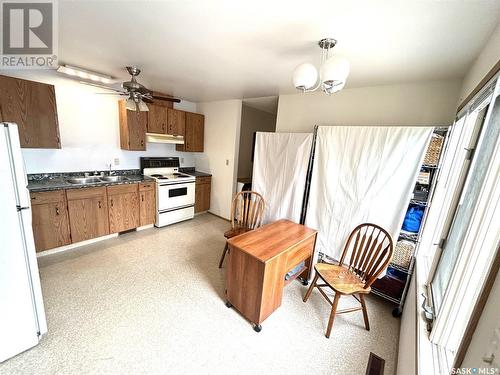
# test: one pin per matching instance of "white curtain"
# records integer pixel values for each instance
(362, 174)
(279, 173)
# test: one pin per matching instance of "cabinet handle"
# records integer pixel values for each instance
(142, 197)
(57, 211)
(111, 202)
(100, 204)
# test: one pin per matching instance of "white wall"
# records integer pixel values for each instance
(489, 56)
(222, 134)
(413, 104)
(252, 120)
(89, 130)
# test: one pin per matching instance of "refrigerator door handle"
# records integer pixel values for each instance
(17, 165)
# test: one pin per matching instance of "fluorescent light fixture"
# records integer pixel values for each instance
(85, 74)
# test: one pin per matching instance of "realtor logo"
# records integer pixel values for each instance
(29, 34)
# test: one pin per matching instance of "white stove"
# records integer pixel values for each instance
(174, 190)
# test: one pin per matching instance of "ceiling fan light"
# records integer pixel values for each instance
(130, 104)
(305, 76)
(334, 72)
(143, 107)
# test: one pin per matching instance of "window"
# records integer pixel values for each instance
(462, 232)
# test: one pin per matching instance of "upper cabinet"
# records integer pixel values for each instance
(157, 119)
(133, 125)
(160, 119)
(32, 106)
(193, 133)
(176, 121)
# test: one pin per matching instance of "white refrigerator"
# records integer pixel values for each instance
(22, 316)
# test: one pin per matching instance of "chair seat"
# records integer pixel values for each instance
(235, 232)
(340, 279)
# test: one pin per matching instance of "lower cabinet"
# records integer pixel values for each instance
(68, 216)
(123, 205)
(147, 203)
(202, 193)
(50, 219)
(88, 213)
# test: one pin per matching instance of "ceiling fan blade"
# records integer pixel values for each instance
(174, 100)
(147, 100)
(112, 93)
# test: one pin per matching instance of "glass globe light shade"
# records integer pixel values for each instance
(334, 72)
(305, 76)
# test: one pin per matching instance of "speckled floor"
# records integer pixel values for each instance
(151, 302)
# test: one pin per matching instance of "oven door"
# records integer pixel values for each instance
(176, 195)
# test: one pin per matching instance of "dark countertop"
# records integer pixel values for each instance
(191, 171)
(59, 183)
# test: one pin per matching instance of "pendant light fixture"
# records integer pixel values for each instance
(333, 71)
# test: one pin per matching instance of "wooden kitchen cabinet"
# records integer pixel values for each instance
(176, 122)
(50, 219)
(202, 193)
(133, 125)
(32, 106)
(123, 205)
(193, 133)
(147, 203)
(88, 213)
(157, 119)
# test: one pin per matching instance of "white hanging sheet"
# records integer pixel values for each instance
(279, 173)
(362, 174)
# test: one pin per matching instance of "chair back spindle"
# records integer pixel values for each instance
(367, 252)
(247, 210)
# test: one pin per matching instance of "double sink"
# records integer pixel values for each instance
(96, 179)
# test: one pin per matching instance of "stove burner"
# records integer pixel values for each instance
(159, 176)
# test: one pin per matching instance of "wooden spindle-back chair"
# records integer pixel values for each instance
(366, 255)
(247, 212)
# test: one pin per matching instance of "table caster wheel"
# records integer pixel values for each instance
(397, 312)
(228, 304)
(305, 282)
(257, 328)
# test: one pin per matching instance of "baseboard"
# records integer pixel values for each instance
(87, 242)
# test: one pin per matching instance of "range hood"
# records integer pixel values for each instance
(164, 138)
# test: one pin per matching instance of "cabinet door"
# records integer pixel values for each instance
(147, 204)
(194, 132)
(123, 205)
(202, 196)
(176, 122)
(133, 125)
(88, 213)
(32, 106)
(49, 220)
(157, 119)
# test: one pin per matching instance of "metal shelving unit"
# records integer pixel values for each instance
(394, 286)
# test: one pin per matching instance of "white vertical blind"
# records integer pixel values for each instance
(279, 173)
(362, 174)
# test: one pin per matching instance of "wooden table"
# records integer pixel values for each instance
(257, 265)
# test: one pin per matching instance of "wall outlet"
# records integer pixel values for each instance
(182, 160)
(117, 161)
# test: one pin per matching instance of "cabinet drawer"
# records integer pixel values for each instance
(143, 186)
(203, 180)
(93, 192)
(47, 197)
(122, 189)
(299, 253)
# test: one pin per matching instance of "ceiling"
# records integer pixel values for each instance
(267, 104)
(211, 50)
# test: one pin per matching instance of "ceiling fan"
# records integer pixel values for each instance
(137, 95)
